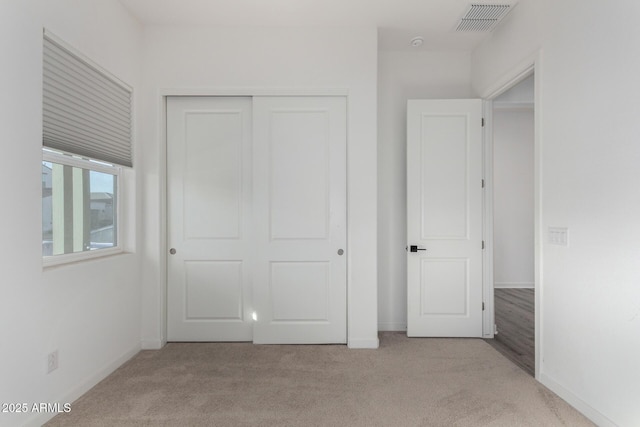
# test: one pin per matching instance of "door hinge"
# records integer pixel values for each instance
(483, 183)
(483, 122)
(483, 306)
(483, 244)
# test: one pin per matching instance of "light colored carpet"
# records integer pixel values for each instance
(406, 382)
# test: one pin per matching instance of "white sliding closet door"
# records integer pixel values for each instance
(257, 219)
(300, 219)
(209, 219)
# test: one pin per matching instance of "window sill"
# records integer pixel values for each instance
(57, 260)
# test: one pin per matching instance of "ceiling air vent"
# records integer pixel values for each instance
(482, 17)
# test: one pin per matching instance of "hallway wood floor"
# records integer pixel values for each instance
(514, 317)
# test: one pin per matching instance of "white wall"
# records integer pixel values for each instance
(241, 60)
(402, 76)
(88, 311)
(589, 157)
(513, 243)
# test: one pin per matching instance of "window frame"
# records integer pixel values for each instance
(73, 160)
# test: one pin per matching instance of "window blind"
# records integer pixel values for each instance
(85, 111)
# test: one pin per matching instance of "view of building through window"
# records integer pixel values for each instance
(78, 209)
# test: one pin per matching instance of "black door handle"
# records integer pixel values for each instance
(415, 248)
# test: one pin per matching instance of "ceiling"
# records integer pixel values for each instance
(398, 21)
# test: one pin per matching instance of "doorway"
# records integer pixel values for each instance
(513, 127)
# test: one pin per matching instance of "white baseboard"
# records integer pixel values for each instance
(152, 344)
(587, 410)
(392, 327)
(524, 285)
(83, 387)
(357, 344)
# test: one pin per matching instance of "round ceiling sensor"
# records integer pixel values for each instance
(417, 41)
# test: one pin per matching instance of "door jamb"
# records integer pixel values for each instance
(488, 320)
(531, 65)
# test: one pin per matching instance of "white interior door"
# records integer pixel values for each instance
(300, 222)
(209, 219)
(444, 208)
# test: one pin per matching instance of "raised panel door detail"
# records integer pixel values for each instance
(213, 290)
(444, 285)
(299, 174)
(299, 193)
(443, 152)
(209, 205)
(212, 185)
(300, 291)
(444, 218)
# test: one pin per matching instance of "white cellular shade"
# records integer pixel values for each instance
(85, 111)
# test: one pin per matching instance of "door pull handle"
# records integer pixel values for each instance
(415, 248)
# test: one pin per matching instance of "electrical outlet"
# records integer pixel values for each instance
(52, 361)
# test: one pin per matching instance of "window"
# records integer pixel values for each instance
(86, 138)
(79, 207)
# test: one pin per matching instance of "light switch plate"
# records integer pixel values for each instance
(559, 236)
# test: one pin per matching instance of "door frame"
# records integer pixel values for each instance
(163, 94)
(530, 65)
